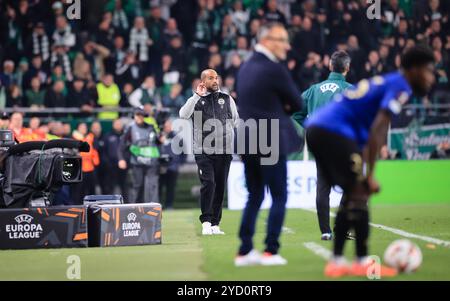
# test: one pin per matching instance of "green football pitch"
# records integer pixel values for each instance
(186, 255)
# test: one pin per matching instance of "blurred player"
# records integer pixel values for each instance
(314, 98)
(349, 132)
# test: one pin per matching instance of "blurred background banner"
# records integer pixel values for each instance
(302, 178)
(419, 142)
(396, 177)
(413, 182)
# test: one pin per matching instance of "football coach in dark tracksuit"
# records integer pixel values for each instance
(210, 109)
(314, 98)
(266, 91)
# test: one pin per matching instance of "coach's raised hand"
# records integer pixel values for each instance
(201, 90)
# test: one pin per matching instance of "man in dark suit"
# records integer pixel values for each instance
(266, 91)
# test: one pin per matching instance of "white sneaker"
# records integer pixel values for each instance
(327, 236)
(216, 230)
(206, 228)
(252, 258)
(270, 259)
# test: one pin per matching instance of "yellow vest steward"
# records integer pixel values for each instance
(152, 121)
(108, 97)
(51, 137)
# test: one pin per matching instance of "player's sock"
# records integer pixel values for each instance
(340, 260)
(361, 225)
(342, 226)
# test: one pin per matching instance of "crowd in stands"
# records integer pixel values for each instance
(150, 52)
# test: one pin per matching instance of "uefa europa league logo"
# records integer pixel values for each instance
(24, 218)
(131, 217)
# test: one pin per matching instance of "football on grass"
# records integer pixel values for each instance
(404, 255)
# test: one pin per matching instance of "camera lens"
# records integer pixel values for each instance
(71, 169)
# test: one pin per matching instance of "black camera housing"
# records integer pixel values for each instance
(36, 170)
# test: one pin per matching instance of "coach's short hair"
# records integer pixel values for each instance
(340, 61)
(266, 28)
(417, 56)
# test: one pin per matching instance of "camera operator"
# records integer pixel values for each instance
(141, 141)
(169, 172)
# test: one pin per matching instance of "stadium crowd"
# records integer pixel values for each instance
(131, 53)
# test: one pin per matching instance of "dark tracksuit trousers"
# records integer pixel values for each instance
(117, 179)
(258, 177)
(87, 187)
(145, 186)
(213, 172)
(343, 167)
(168, 181)
(323, 189)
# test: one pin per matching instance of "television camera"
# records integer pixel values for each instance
(32, 172)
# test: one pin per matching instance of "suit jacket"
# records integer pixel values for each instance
(266, 90)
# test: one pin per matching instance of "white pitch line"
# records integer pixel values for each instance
(400, 232)
(288, 230)
(318, 250)
(429, 239)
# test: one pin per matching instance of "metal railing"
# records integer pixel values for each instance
(96, 110)
(75, 110)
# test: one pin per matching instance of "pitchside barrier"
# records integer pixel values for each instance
(80, 226)
(124, 225)
(406, 182)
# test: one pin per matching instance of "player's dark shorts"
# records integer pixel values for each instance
(338, 157)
